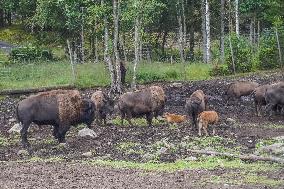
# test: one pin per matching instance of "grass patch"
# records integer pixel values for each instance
(58, 73)
(3, 141)
(209, 163)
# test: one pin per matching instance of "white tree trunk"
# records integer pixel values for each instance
(181, 36)
(96, 45)
(203, 28)
(184, 24)
(106, 53)
(222, 46)
(116, 7)
(136, 46)
(207, 28)
(82, 37)
(237, 17)
(279, 47)
(71, 56)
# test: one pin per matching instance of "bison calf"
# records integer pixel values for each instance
(60, 108)
(205, 118)
(174, 118)
(103, 105)
(196, 103)
(149, 102)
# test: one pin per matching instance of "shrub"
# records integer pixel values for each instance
(268, 53)
(242, 52)
(220, 70)
(30, 53)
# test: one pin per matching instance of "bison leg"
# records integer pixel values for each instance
(24, 133)
(214, 131)
(129, 117)
(257, 109)
(205, 128)
(194, 120)
(200, 125)
(61, 134)
(149, 118)
(55, 131)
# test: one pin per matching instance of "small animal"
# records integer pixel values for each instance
(174, 118)
(205, 118)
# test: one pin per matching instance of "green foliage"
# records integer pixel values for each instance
(30, 53)
(268, 51)
(220, 70)
(242, 52)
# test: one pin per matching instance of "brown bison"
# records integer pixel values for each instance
(60, 108)
(259, 96)
(274, 97)
(240, 88)
(195, 104)
(149, 102)
(205, 118)
(103, 105)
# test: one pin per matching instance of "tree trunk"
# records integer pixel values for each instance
(191, 31)
(71, 56)
(208, 38)
(123, 47)
(82, 37)
(251, 31)
(136, 46)
(96, 46)
(184, 25)
(164, 41)
(106, 53)
(222, 46)
(181, 39)
(116, 7)
(279, 47)
(237, 17)
(203, 28)
(2, 22)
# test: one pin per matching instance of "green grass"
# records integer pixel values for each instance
(48, 74)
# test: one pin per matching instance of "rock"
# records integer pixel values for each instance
(15, 129)
(230, 120)
(12, 120)
(23, 153)
(87, 132)
(176, 84)
(87, 154)
(190, 158)
(162, 150)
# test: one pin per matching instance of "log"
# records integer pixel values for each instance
(242, 157)
(35, 90)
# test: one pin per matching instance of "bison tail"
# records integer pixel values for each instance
(17, 114)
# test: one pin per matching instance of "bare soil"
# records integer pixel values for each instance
(71, 174)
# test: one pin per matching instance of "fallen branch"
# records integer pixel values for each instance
(242, 157)
(27, 91)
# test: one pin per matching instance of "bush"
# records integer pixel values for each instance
(220, 70)
(30, 53)
(242, 52)
(268, 52)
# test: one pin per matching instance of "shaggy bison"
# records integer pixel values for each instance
(149, 102)
(240, 88)
(60, 108)
(195, 104)
(274, 96)
(259, 96)
(103, 105)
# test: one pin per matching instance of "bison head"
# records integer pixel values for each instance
(88, 112)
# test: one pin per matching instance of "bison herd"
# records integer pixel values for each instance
(63, 108)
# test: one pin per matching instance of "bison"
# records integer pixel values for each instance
(205, 118)
(149, 102)
(240, 88)
(259, 96)
(174, 118)
(195, 104)
(274, 96)
(59, 108)
(103, 105)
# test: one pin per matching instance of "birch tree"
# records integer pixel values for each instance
(206, 31)
(222, 46)
(237, 17)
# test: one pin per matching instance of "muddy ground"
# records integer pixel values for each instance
(159, 143)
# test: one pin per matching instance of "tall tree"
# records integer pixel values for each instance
(222, 46)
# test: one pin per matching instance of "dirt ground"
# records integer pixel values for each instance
(113, 139)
